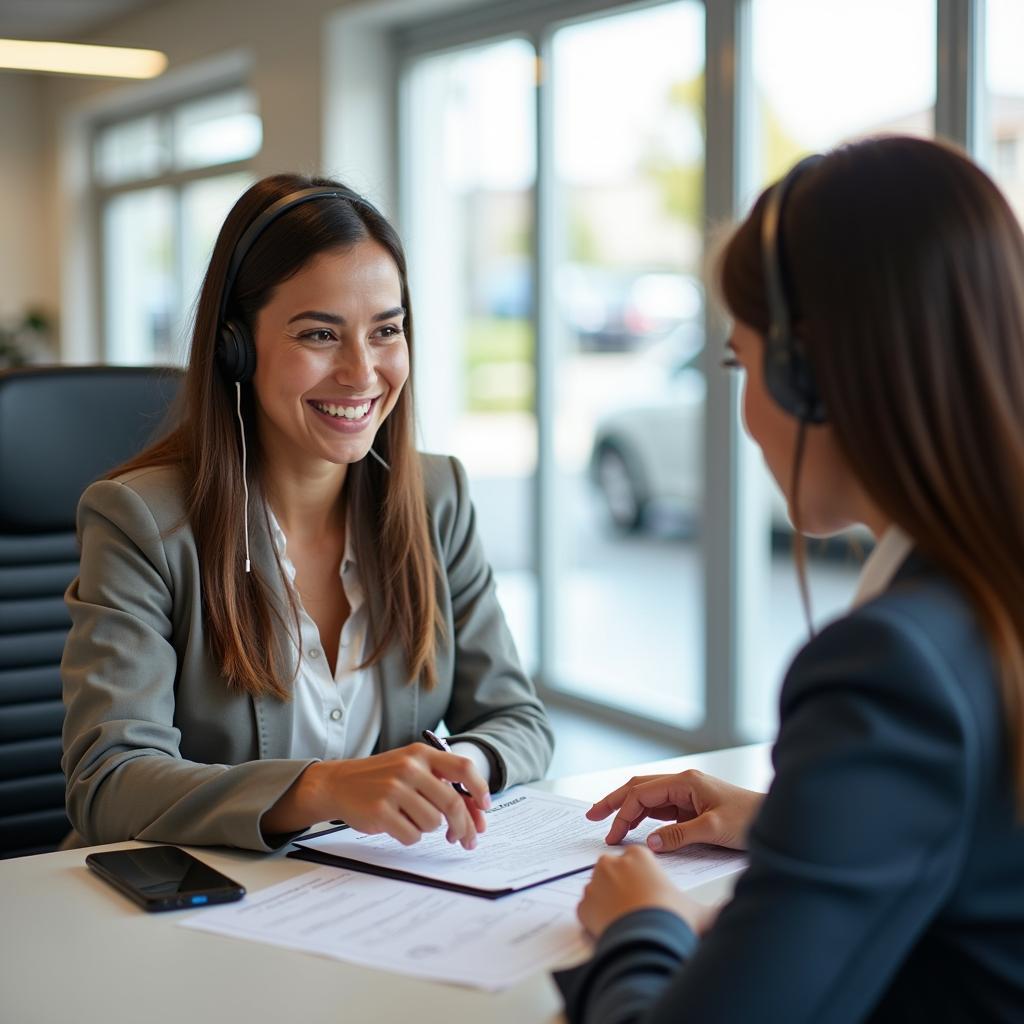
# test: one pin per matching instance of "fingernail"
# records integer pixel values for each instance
(654, 842)
(487, 801)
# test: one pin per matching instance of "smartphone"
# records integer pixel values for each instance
(164, 878)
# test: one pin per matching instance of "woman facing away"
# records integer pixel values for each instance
(878, 300)
(279, 596)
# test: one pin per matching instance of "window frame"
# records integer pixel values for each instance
(177, 181)
(734, 542)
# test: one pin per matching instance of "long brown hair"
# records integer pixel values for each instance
(905, 265)
(388, 508)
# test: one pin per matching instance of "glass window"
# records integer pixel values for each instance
(139, 274)
(621, 168)
(1003, 127)
(827, 71)
(806, 55)
(129, 151)
(629, 407)
(163, 194)
(469, 131)
(222, 128)
(204, 205)
(217, 130)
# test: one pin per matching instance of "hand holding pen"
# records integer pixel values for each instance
(440, 743)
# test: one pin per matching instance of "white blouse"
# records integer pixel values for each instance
(339, 716)
(335, 716)
(889, 554)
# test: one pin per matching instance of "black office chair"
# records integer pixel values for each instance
(61, 427)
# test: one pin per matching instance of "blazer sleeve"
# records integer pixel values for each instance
(493, 703)
(126, 778)
(855, 849)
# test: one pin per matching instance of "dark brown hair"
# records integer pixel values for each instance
(388, 509)
(905, 265)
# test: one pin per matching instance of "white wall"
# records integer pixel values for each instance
(321, 74)
(24, 209)
(283, 45)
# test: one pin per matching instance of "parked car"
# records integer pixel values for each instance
(615, 310)
(647, 453)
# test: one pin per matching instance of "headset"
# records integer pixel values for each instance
(235, 351)
(787, 373)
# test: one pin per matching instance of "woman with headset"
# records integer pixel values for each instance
(277, 599)
(878, 301)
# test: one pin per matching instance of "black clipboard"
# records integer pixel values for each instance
(335, 861)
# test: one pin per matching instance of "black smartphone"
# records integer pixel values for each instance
(164, 878)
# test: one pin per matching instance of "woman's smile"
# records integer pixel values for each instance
(346, 415)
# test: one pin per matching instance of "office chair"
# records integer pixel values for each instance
(61, 427)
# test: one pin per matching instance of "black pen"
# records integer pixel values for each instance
(440, 743)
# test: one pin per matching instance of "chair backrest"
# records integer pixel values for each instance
(61, 428)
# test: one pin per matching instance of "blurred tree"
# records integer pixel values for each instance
(681, 180)
(583, 244)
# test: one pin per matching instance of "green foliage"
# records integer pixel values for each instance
(682, 184)
(23, 338)
(780, 149)
(583, 247)
(498, 364)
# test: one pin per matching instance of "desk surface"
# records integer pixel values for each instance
(71, 948)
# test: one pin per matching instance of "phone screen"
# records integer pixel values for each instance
(164, 877)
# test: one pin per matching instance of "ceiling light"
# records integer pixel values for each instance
(78, 59)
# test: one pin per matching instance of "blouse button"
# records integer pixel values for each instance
(335, 715)
(314, 653)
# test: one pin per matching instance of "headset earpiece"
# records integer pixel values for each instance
(236, 353)
(788, 376)
(235, 350)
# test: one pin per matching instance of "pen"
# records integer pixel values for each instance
(440, 743)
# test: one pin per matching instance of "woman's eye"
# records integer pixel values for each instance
(320, 335)
(732, 363)
(389, 331)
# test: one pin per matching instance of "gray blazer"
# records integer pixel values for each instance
(157, 747)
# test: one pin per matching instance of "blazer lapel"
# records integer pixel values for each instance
(400, 701)
(274, 717)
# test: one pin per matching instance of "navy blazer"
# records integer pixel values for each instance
(886, 878)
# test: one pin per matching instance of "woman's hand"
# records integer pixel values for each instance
(704, 809)
(632, 881)
(404, 792)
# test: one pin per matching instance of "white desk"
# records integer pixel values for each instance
(73, 949)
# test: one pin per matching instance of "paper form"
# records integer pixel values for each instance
(531, 837)
(688, 868)
(446, 936)
(394, 926)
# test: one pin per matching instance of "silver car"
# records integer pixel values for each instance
(646, 460)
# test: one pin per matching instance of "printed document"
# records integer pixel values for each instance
(447, 936)
(531, 837)
(410, 929)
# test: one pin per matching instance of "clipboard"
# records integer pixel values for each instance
(532, 838)
(353, 864)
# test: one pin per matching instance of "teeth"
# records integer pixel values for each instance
(347, 412)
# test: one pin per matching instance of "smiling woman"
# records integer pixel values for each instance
(327, 376)
(207, 703)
